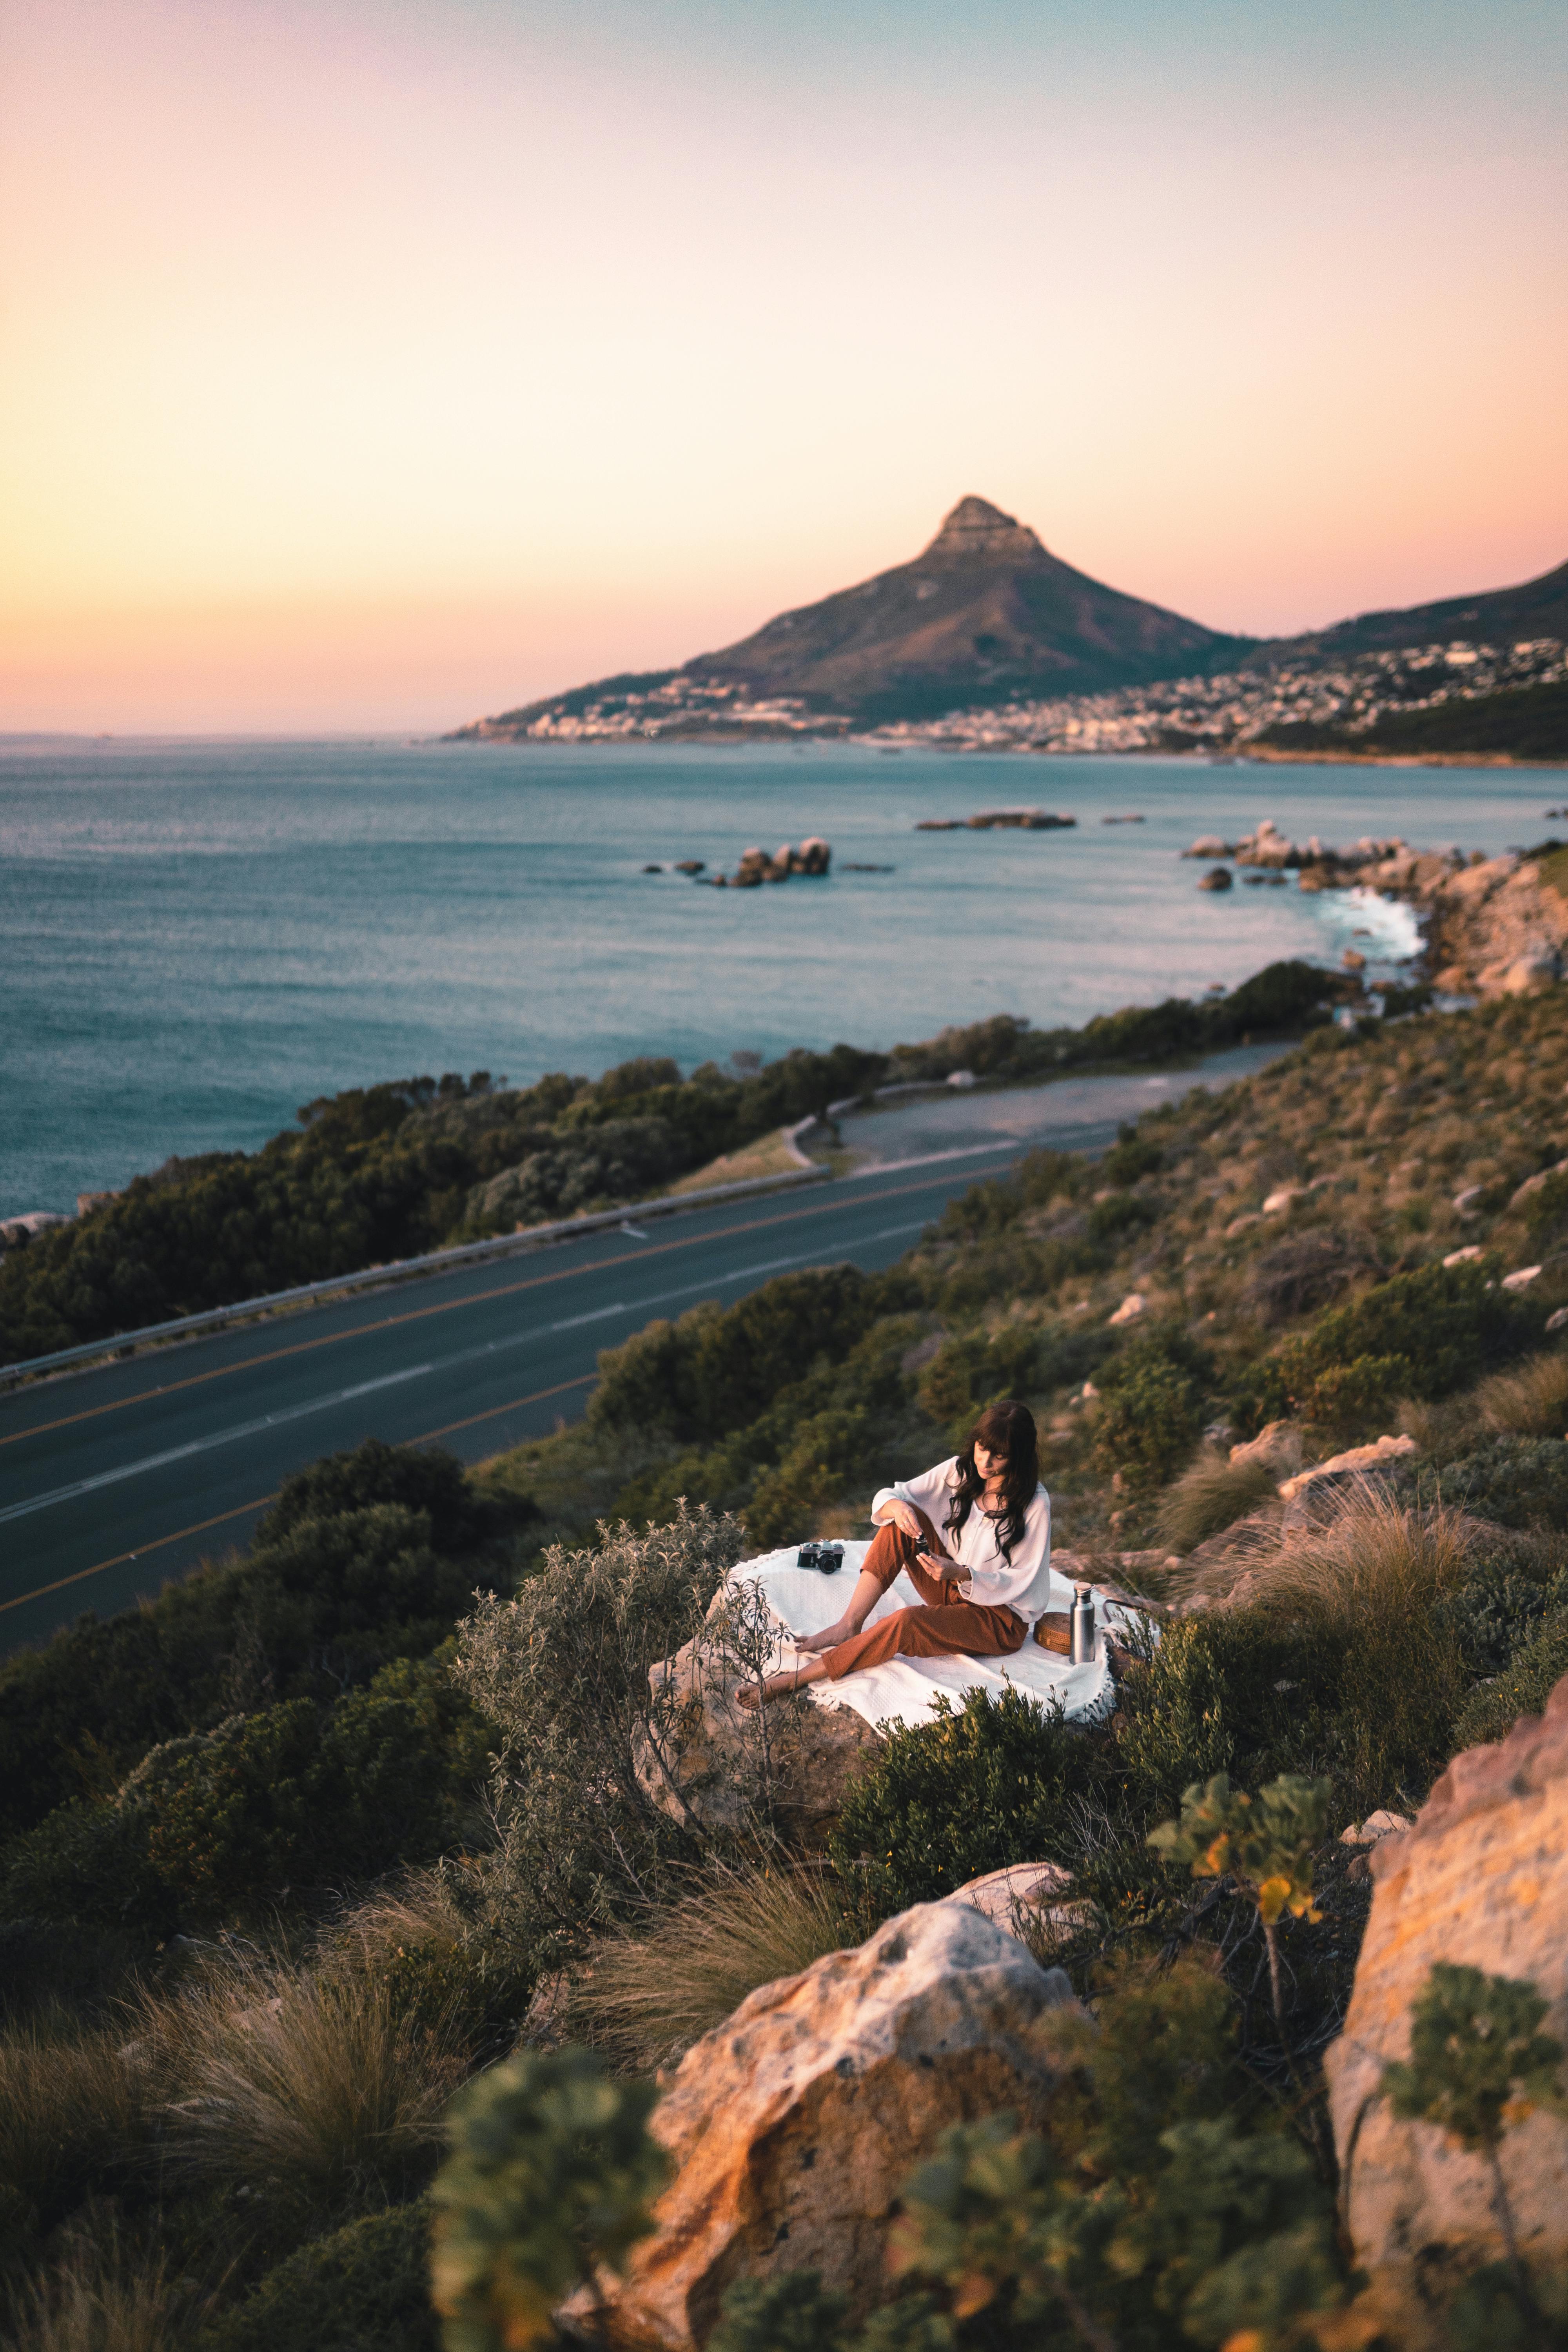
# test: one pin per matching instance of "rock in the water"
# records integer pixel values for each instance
(794, 2124)
(716, 1760)
(1481, 1881)
(1216, 879)
(1209, 844)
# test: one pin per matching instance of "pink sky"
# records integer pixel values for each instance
(372, 366)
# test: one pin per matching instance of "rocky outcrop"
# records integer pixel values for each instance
(1357, 1461)
(1481, 1881)
(1276, 1448)
(720, 1763)
(814, 856)
(1020, 1896)
(1216, 879)
(793, 2125)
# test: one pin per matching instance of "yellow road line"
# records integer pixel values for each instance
(240, 1509)
(442, 1306)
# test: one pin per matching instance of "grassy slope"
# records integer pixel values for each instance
(1011, 1292)
(792, 1405)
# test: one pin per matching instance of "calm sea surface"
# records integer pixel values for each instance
(197, 937)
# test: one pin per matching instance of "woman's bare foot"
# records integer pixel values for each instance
(828, 1638)
(752, 1695)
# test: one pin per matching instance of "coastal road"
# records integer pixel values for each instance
(116, 1479)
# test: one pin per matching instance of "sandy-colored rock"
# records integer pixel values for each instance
(713, 1758)
(1533, 1184)
(793, 2125)
(1277, 1447)
(1132, 1306)
(1481, 1881)
(1357, 1459)
(1006, 1896)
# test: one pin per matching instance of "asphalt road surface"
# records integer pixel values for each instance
(116, 1479)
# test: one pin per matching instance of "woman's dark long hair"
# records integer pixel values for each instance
(1007, 1429)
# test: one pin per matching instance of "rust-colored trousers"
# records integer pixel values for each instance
(948, 1626)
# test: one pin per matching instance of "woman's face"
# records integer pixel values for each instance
(989, 1464)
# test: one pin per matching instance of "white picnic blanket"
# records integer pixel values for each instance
(804, 1600)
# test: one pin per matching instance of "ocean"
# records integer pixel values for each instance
(198, 937)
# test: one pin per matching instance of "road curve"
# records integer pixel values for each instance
(116, 1479)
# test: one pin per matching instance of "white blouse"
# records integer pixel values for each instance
(1022, 1585)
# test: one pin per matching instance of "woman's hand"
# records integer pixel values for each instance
(905, 1516)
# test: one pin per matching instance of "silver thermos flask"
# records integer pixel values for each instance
(1082, 1626)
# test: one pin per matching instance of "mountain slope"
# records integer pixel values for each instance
(985, 612)
(1496, 616)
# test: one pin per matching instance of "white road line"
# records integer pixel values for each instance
(202, 1445)
(257, 1428)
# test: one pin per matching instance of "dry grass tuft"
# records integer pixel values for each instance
(98, 2296)
(1210, 1496)
(318, 2091)
(1532, 1401)
(1365, 1583)
(76, 2108)
(651, 1997)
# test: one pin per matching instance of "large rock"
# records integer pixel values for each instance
(709, 1757)
(1276, 1448)
(793, 2125)
(1481, 1880)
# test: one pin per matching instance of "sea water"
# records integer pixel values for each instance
(198, 937)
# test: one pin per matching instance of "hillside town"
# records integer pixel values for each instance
(1221, 716)
(1227, 715)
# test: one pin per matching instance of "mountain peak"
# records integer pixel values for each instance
(975, 526)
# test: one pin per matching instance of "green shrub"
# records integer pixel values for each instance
(364, 1558)
(1208, 1700)
(551, 2175)
(229, 1823)
(1522, 1688)
(419, 1478)
(365, 2288)
(561, 1675)
(1502, 1605)
(1151, 1409)
(1424, 1335)
(1516, 1482)
(965, 1375)
(946, 1801)
(719, 1368)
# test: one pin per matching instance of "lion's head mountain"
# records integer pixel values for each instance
(985, 614)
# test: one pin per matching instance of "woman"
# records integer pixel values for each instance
(981, 1593)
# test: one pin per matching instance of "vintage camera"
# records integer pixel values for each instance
(828, 1557)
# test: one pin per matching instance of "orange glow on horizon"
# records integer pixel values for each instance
(367, 368)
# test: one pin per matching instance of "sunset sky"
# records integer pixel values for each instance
(373, 364)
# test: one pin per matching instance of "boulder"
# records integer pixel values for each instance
(1278, 1448)
(1209, 844)
(1481, 1881)
(792, 2127)
(1360, 1461)
(1216, 879)
(717, 1761)
(1007, 1897)
(1132, 1308)
(1533, 1184)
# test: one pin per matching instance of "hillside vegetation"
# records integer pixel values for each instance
(293, 1851)
(383, 1172)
